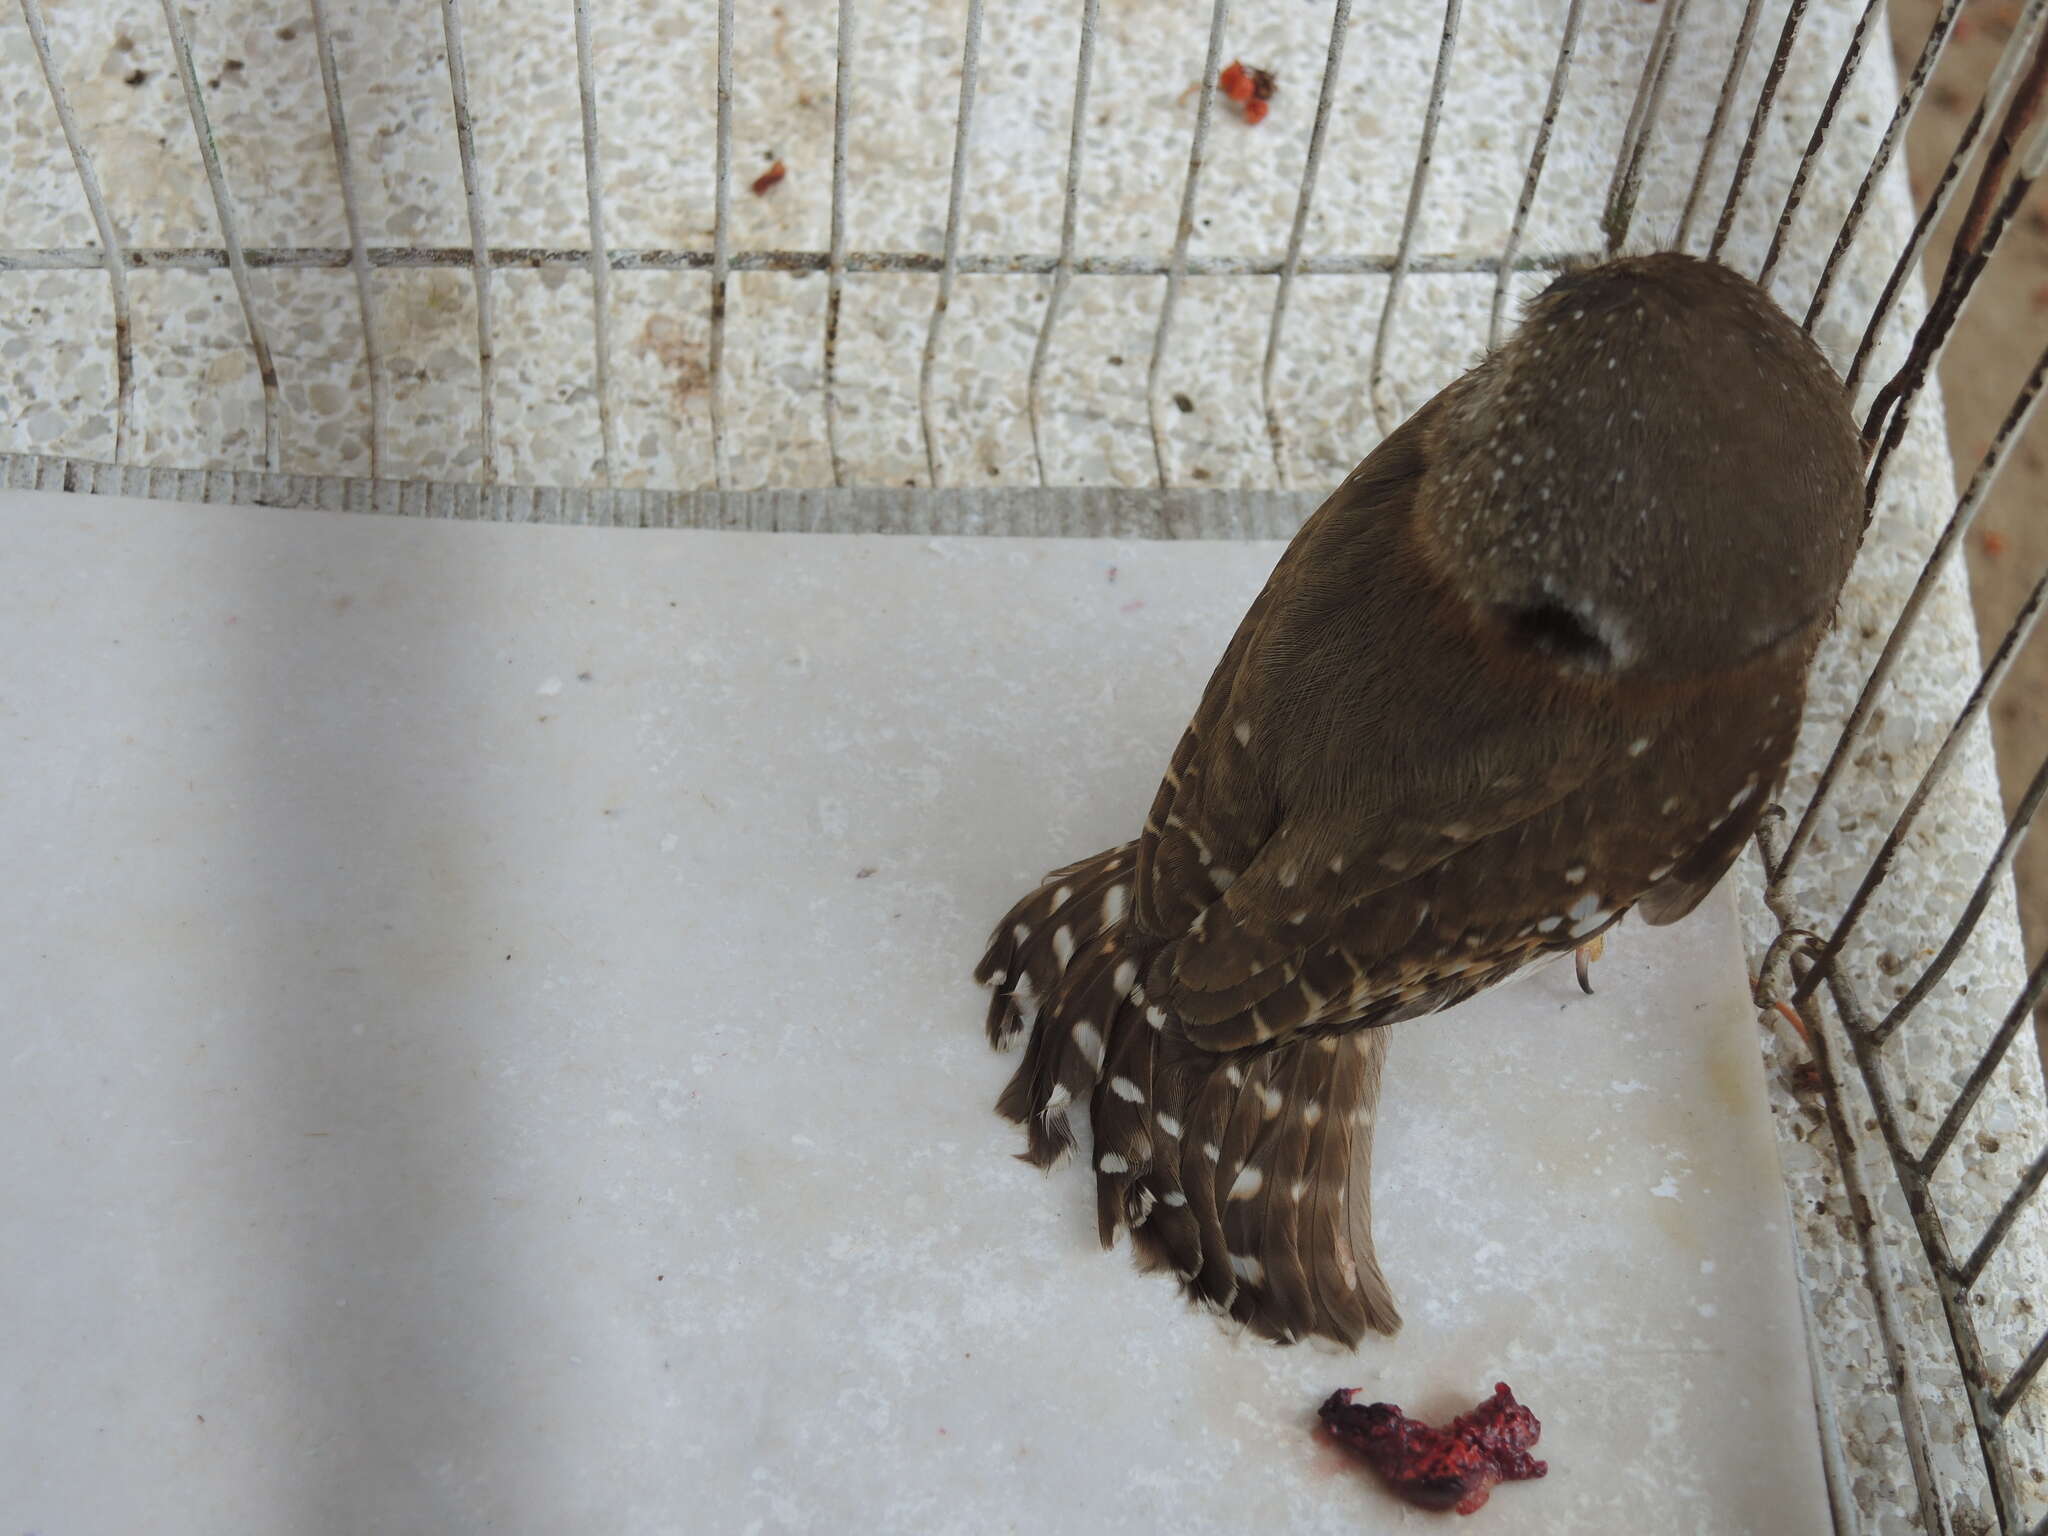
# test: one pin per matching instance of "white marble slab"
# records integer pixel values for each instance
(489, 1045)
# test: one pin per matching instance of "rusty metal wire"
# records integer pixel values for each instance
(949, 262)
(1383, 408)
(1808, 969)
(1184, 230)
(112, 256)
(1290, 266)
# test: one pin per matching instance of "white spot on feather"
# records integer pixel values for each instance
(1243, 732)
(1063, 945)
(1575, 874)
(1174, 1198)
(1639, 746)
(1269, 1099)
(1250, 1271)
(1249, 1182)
(1124, 978)
(1110, 1162)
(1168, 1124)
(1223, 879)
(1311, 1113)
(1113, 902)
(1088, 1043)
(1126, 1090)
(1211, 1151)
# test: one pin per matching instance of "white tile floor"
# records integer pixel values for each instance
(492, 1048)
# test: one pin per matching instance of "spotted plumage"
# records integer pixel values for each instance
(1539, 661)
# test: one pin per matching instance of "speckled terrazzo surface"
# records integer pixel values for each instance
(199, 406)
(538, 1085)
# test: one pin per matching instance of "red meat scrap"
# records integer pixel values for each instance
(1450, 1468)
(1251, 88)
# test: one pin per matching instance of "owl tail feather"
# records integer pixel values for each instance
(1263, 1204)
(1247, 1175)
(1055, 965)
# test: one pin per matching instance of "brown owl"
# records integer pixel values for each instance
(1539, 661)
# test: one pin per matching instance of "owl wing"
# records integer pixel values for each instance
(1336, 839)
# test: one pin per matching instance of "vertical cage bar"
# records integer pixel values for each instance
(2018, 416)
(2001, 1224)
(1184, 229)
(1063, 273)
(1627, 186)
(110, 239)
(2009, 1027)
(721, 248)
(479, 234)
(963, 124)
(1730, 84)
(1880, 1280)
(1998, 89)
(359, 254)
(1340, 22)
(1851, 57)
(600, 253)
(1767, 97)
(2016, 1388)
(1984, 224)
(1560, 74)
(1962, 1331)
(835, 261)
(1973, 909)
(230, 232)
(1894, 134)
(1383, 409)
(1994, 672)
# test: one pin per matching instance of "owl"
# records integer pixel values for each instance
(1538, 662)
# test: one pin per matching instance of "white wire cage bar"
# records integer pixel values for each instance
(1891, 1124)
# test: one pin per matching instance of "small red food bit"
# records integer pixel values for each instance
(1451, 1468)
(1249, 87)
(768, 178)
(1994, 543)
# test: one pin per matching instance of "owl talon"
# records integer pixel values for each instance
(1583, 958)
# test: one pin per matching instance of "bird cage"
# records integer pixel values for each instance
(1036, 268)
